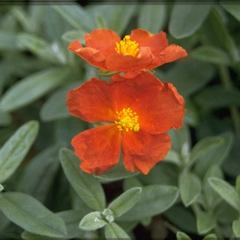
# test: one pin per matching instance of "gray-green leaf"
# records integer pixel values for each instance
(92, 221)
(125, 201)
(113, 231)
(31, 215)
(182, 236)
(1, 187)
(236, 227)
(186, 19)
(190, 187)
(233, 9)
(35, 85)
(210, 237)
(226, 191)
(205, 222)
(85, 185)
(155, 199)
(15, 149)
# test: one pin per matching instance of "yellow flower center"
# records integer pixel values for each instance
(127, 119)
(127, 47)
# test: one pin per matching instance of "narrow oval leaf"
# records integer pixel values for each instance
(152, 17)
(190, 188)
(132, 182)
(155, 199)
(226, 191)
(125, 201)
(186, 19)
(236, 227)
(1, 187)
(113, 231)
(182, 236)
(31, 215)
(55, 107)
(204, 146)
(238, 185)
(15, 149)
(70, 36)
(35, 85)
(92, 221)
(85, 185)
(211, 54)
(210, 237)
(233, 9)
(76, 16)
(205, 222)
(8, 41)
(173, 157)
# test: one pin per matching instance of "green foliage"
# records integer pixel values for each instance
(113, 231)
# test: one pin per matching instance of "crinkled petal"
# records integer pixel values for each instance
(157, 42)
(98, 148)
(142, 150)
(161, 112)
(103, 40)
(92, 56)
(125, 63)
(133, 92)
(92, 102)
(169, 54)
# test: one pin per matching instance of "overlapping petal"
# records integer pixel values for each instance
(142, 150)
(153, 51)
(98, 148)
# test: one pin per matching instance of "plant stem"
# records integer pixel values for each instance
(225, 78)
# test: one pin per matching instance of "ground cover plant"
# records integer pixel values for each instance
(80, 85)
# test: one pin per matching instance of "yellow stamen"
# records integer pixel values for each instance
(127, 119)
(127, 46)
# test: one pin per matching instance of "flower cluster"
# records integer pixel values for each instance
(136, 109)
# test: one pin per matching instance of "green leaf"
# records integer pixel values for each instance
(92, 221)
(217, 97)
(215, 157)
(236, 227)
(116, 173)
(30, 236)
(85, 185)
(35, 85)
(226, 191)
(152, 17)
(192, 114)
(190, 188)
(8, 41)
(210, 237)
(72, 35)
(183, 76)
(132, 182)
(238, 185)
(31, 215)
(50, 52)
(233, 9)
(101, 23)
(55, 107)
(211, 54)
(125, 201)
(15, 149)
(1, 187)
(5, 118)
(113, 231)
(155, 199)
(204, 146)
(76, 16)
(4, 222)
(186, 19)
(205, 222)
(38, 176)
(182, 236)
(173, 157)
(117, 16)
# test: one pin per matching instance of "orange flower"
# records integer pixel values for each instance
(136, 114)
(139, 51)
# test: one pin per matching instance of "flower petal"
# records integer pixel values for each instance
(92, 102)
(103, 40)
(125, 63)
(169, 54)
(161, 112)
(132, 92)
(142, 150)
(157, 42)
(92, 56)
(98, 148)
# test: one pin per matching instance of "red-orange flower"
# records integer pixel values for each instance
(139, 51)
(136, 114)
